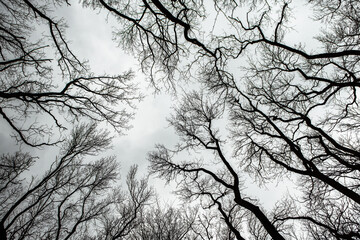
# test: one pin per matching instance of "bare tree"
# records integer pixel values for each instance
(34, 102)
(216, 179)
(161, 222)
(293, 112)
(126, 209)
(73, 196)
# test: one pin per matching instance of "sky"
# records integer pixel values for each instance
(91, 38)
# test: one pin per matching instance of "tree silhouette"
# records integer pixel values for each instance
(44, 90)
(293, 112)
(34, 101)
(160, 222)
(194, 122)
(73, 196)
(126, 210)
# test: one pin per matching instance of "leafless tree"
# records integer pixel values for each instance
(216, 180)
(34, 102)
(126, 209)
(161, 222)
(73, 196)
(293, 112)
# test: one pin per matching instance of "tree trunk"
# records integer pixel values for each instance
(269, 227)
(2, 232)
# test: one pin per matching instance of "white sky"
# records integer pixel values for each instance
(91, 39)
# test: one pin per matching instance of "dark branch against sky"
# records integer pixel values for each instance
(244, 109)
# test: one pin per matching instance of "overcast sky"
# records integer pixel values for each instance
(91, 39)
